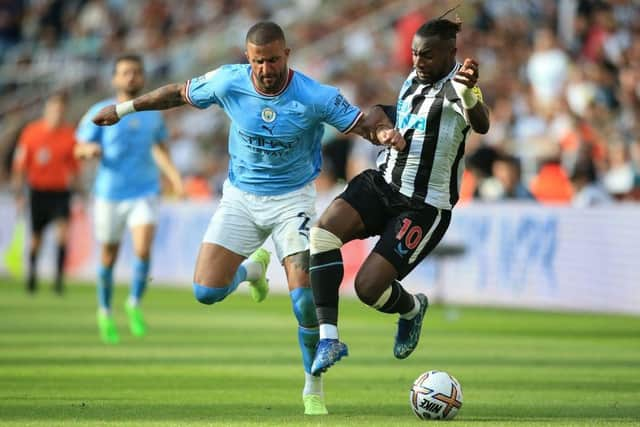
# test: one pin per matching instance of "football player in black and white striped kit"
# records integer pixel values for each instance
(407, 201)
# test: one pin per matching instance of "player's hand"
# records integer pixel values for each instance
(391, 138)
(178, 188)
(107, 116)
(468, 74)
(91, 151)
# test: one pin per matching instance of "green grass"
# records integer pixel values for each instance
(237, 363)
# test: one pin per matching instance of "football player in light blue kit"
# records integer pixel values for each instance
(126, 189)
(277, 117)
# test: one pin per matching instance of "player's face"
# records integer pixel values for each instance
(433, 58)
(268, 65)
(128, 77)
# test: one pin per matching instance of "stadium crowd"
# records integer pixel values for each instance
(562, 79)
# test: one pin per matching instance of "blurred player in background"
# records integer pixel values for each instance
(277, 117)
(408, 200)
(126, 189)
(45, 160)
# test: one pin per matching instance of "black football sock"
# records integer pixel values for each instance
(326, 272)
(32, 277)
(399, 301)
(62, 256)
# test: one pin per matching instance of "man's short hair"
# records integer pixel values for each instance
(264, 33)
(133, 57)
(61, 96)
(442, 28)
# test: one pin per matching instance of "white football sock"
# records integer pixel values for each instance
(312, 385)
(133, 301)
(412, 313)
(328, 331)
(254, 269)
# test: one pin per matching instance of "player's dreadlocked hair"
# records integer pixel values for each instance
(443, 28)
(263, 33)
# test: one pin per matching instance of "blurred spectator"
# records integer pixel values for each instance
(587, 191)
(11, 16)
(196, 187)
(547, 69)
(551, 185)
(508, 175)
(620, 178)
(405, 28)
(555, 73)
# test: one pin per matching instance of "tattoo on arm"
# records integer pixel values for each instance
(163, 98)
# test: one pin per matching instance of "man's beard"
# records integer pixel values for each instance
(132, 93)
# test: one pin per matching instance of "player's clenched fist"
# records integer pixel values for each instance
(391, 137)
(107, 116)
(468, 73)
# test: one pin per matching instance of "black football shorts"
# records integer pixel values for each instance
(409, 230)
(47, 206)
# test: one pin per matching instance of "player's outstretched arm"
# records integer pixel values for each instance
(464, 83)
(163, 98)
(162, 158)
(377, 128)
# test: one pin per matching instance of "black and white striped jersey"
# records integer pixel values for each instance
(432, 120)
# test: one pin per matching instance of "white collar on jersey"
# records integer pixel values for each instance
(438, 85)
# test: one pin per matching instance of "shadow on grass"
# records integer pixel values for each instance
(128, 410)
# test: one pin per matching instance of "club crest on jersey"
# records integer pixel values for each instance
(268, 115)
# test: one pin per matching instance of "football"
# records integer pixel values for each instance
(435, 395)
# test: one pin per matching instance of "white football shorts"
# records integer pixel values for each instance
(112, 216)
(243, 221)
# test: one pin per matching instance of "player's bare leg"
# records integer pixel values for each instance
(219, 271)
(297, 270)
(376, 286)
(106, 324)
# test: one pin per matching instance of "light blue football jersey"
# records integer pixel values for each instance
(127, 169)
(274, 140)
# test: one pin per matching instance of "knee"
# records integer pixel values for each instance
(304, 307)
(207, 295)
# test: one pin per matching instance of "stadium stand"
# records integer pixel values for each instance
(562, 77)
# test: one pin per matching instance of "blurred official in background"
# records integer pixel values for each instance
(44, 160)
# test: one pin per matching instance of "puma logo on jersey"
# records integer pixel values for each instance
(268, 129)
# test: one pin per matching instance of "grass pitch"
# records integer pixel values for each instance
(238, 363)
